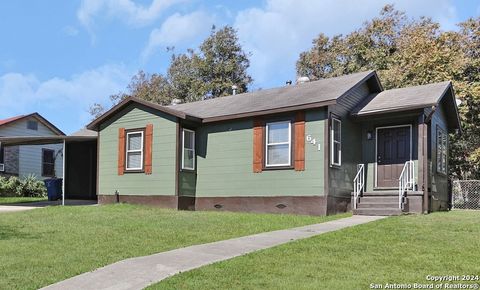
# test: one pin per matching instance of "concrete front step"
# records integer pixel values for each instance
(379, 199)
(377, 211)
(366, 204)
(381, 193)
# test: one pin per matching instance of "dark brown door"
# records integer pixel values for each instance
(393, 150)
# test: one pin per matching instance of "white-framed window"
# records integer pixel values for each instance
(188, 145)
(278, 144)
(442, 141)
(336, 142)
(134, 150)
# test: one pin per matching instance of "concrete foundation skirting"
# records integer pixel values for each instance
(308, 205)
(338, 204)
(414, 204)
(305, 205)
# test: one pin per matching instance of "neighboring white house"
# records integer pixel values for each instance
(41, 160)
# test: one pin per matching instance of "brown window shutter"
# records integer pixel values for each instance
(300, 141)
(258, 139)
(148, 148)
(121, 151)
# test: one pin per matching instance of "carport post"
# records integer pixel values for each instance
(63, 171)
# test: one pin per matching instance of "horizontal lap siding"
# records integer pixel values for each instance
(225, 157)
(438, 183)
(341, 178)
(30, 156)
(162, 179)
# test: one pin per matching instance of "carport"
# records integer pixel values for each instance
(79, 161)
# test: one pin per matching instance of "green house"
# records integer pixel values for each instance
(318, 147)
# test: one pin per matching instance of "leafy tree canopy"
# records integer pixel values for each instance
(211, 72)
(408, 52)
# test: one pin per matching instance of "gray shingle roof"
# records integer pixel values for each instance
(289, 96)
(85, 132)
(403, 99)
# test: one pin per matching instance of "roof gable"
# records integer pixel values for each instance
(36, 116)
(411, 98)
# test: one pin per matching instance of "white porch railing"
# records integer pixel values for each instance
(405, 182)
(358, 184)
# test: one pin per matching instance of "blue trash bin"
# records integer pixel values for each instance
(54, 188)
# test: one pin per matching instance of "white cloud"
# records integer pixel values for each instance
(179, 29)
(276, 33)
(126, 10)
(63, 101)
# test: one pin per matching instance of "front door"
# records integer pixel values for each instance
(393, 150)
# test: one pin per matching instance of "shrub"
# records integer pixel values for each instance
(28, 186)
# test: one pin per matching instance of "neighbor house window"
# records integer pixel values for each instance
(278, 144)
(442, 139)
(48, 162)
(336, 142)
(2, 165)
(188, 145)
(32, 125)
(134, 150)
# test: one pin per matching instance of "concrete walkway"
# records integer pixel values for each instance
(137, 273)
(13, 207)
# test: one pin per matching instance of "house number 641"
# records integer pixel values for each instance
(312, 141)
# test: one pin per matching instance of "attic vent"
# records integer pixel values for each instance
(32, 125)
(280, 206)
(176, 102)
(218, 206)
(302, 80)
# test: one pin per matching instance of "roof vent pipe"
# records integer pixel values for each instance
(234, 89)
(176, 102)
(302, 80)
(288, 83)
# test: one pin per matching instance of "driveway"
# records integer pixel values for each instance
(14, 207)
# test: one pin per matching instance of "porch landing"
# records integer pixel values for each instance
(385, 203)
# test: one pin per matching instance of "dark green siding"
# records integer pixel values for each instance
(369, 146)
(162, 179)
(341, 177)
(438, 182)
(225, 156)
(187, 183)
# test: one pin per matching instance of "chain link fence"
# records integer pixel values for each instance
(466, 194)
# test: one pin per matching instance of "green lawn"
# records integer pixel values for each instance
(10, 200)
(395, 250)
(46, 245)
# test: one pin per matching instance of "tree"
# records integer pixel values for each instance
(408, 52)
(211, 72)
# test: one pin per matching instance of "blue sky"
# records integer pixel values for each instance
(59, 58)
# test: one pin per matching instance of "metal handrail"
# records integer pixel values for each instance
(358, 184)
(406, 182)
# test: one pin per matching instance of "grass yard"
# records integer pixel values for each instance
(47, 245)
(10, 200)
(395, 250)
